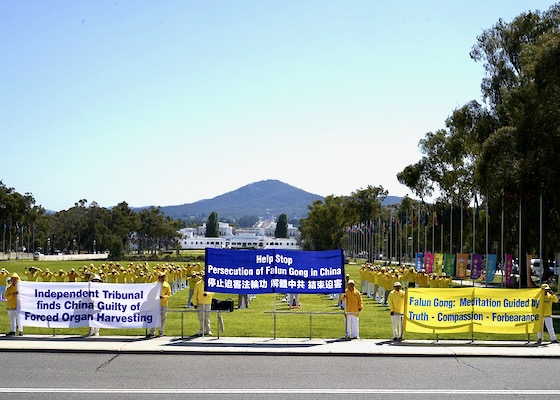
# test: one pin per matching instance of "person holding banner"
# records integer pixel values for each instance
(549, 297)
(12, 299)
(94, 331)
(353, 305)
(202, 302)
(396, 305)
(164, 303)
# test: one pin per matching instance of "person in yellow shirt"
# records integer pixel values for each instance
(164, 303)
(193, 280)
(387, 286)
(422, 279)
(549, 297)
(60, 276)
(433, 281)
(444, 280)
(33, 273)
(72, 275)
(12, 299)
(47, 275)
(396, 305)
(353, 301)
(3, 283)
(202, 301)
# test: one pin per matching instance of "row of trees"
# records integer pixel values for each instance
(495, 166)
(504, 151)
(82, 228)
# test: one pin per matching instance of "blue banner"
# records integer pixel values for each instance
(419, 264)
(274, 271)
(490, 267)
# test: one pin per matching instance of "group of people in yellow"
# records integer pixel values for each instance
(377, 281)
(172, 277)
(178, 276)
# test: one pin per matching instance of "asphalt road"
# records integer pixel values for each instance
(129, 376)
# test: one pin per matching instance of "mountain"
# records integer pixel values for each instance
(265, 198)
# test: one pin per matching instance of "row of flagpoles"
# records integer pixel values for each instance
(393, 237)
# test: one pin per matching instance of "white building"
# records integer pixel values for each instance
(261, 236)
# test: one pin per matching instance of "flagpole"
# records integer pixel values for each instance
(433, 235)
(519, 245)
(502, 255)
(461, 244)
(474, 228)
(486, 236)
(451, 228)
(441, 227)
(418, 230)
(540, 236)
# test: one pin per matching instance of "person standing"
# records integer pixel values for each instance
(12, 299)
(94, 331)
(164, 303)
(396, 305)
(3, 283)
(549, 298)
(353, 306)
(202, 302)
(193, 280)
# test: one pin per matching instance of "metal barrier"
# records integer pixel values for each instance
(219, 312)
(311, 313)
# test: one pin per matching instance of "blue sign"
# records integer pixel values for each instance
(274, 271)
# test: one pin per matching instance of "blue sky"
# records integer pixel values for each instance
(171, 102)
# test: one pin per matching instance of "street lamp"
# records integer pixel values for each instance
(94, 242)
(74, 245)
(48, 245)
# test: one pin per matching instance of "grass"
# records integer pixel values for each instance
(257, 321)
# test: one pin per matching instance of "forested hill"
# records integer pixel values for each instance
(270, 197)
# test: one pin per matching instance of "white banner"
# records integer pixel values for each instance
(82, 304)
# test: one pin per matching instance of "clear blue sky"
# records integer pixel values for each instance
(170, 102)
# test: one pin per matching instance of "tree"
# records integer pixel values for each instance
(506, 150)
(323, 228)
(213, 226)
(281, 230)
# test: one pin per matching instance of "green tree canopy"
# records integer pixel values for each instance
(213, 226)
(281, 230)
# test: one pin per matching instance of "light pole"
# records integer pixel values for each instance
(48, 245)
(74, 245)
(94, 242)
(17, 245)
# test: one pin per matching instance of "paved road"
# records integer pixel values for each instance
(170, 376)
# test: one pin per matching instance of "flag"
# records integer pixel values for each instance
(449, 264)
(435, 218)
(466, 207)
(426, 220)
(476, 265)
(491, 260)
(475, 207)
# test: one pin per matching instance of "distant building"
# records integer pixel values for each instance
(260, 236)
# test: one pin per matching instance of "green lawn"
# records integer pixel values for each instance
(257, 320)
